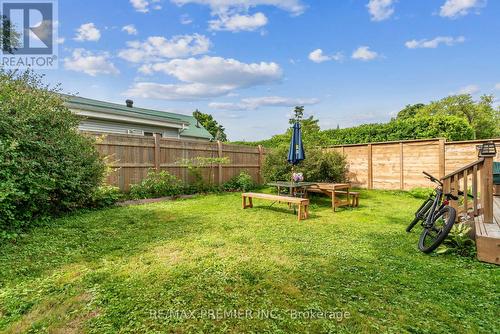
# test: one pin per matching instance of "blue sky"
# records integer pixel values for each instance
(249, 62)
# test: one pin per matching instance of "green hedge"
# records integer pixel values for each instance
(449, 127)
(423, 127)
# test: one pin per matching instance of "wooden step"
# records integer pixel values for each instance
(488, 236)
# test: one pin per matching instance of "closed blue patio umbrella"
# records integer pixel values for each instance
(296, 152)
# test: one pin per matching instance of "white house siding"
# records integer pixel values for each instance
(92, 125)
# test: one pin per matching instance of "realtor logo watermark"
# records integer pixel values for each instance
(29, 34)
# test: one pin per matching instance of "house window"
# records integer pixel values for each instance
(151, 134)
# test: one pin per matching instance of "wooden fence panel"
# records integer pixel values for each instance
(357, 161)
(417, 157)
(399, 165)
(392, 165)
(459, 154)
(386, 166)
(245, 158)
(131, 157)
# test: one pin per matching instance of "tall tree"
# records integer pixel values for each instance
(410, 111)
(310, 127)
(211, 125)
(481, 115)
(9, 35)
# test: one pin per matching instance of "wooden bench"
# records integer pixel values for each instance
(302, 203)
(353, 194)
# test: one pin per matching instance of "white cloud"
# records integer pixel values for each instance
(159, 48)
(293, 6)
(497, 86)
(457, 8)
(90, 63)
(469, 89)
(87, 32)
(364, 53)
(218, 71)
(130, 29)
(144, 6)
(266, 101)
(205, 77)
(181, 92)
(380, 9)
(238, 22)
(232, 15)
(317, 56)
(60, 40)
(434, 43)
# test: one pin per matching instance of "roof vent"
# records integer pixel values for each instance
(129, 103)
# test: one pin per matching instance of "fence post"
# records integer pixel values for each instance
(157, 152)
(401, 167)
(487, 189)
(260, 178)
(219, 154)
(370, 167)
(442, 158)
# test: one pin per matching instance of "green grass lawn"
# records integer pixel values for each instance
(185, 266)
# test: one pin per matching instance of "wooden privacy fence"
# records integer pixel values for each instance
(399, 165)
(131, 157)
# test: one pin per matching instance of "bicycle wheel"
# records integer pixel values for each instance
(421, 214)
(433, 236)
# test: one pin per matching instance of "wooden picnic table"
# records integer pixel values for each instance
(340, 193)
(292, 187)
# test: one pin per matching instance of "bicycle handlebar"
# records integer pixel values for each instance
(432, 178)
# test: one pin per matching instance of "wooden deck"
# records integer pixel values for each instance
(488, 235)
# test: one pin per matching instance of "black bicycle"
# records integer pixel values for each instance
(436, 217)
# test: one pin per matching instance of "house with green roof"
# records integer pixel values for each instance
(106, 117)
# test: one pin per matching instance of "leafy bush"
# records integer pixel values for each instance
(319, 166)
(422, 193)
(46, 166)
(458, 242)
(240, 182)
(105, 196)
(157, 184)
(276, 167)
(322, 166)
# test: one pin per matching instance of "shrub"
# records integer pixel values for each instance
(322, 166)
(319, 166)
(105, 196)
(240, 182)
(276, 167)
(46, 166)
(458, 242)
(156, 184)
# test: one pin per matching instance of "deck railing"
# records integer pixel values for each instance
(475, 179)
